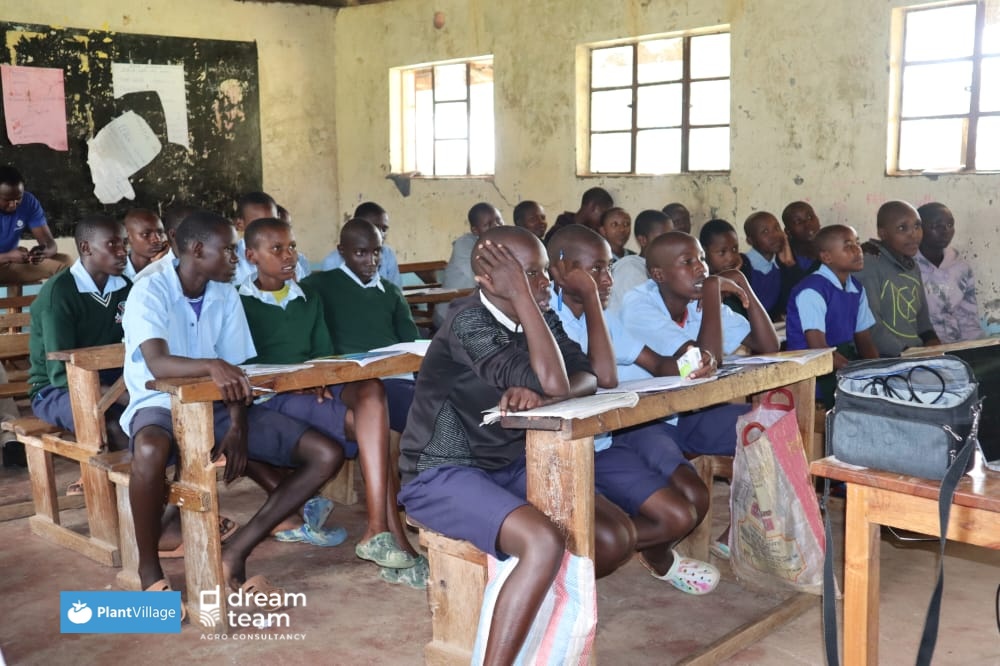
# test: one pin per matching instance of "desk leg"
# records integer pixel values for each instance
(804, 393)
(561, 484)
(193, 428)
(861, 580)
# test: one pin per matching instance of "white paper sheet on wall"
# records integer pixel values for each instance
(167, 81)
(120, 149)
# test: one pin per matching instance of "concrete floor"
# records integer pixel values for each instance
(353, 618)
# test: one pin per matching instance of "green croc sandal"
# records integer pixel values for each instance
(383, 551)
(415, 577)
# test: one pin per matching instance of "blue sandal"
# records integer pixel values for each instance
(316, 511)
(326, 537)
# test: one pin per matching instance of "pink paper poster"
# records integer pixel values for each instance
(34, 105)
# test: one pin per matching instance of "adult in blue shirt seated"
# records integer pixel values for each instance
(20, 210)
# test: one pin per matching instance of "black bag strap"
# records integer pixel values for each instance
(928, 639)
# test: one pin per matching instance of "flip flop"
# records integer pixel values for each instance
(415, 577)
(227, 527)
(688, 575)
(258, 584)
(383, 551)
(316, 511)
(163, 585)
(326, 537)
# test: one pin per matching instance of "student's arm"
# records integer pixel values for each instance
(600, 351)
(817, 340)
(234, 442)
(505, 278)
(865, 345)
(710, 332)
(763, 339)
(232, 382)
(402, 319)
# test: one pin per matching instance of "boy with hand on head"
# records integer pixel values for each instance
(388, 267)
(770, 265)
(287, 324)
(147, 240)
(593, 203)
(641, 469)
(458, 273)
(949, 285)
(364, 311)
(531, 216)
(801, 227)
(500, 345)
(630, 271)
(616, 228)
(187, 321)
(679, 216)
(81, 307)
(892, 282)
(723, 256)
(20, 210)
(829, 308)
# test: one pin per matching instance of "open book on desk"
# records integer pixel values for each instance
(800, 356)
(254, 369)
(417, 347)
(655, 384)
(574, 408)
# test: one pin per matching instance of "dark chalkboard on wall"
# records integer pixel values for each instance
(220, 83)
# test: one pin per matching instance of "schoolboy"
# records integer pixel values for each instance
(770, 266)
(801, 227)
(949, 285)
(254, 206)
(684, 303)
(593, 203)
(531, 216)
(893, 284)
(679, 215)
(388, 268)
(172, 218)
(616, 228)
(364, 311)
(829, 308)
(81, 307)
(458, 273)
(147, 240)
(723, 256)
(468, 481)
(187, 321)
(287, 324)
(20, 210)
(643, 471)
(629, 272)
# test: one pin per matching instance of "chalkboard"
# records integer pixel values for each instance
(223, 120)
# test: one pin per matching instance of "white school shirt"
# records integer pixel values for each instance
(157, 308)
(85, 283)
(759, 263)
(628, 272)
(649, 320)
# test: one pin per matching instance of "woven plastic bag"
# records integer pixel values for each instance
(777, 540)
(564, 628)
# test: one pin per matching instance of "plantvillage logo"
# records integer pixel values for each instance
(119, 612)
(248, 616)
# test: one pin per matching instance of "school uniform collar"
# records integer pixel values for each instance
(85, 283)
(248, 288)
(950, 257)
(503, 319)
(214, 291)
(759, 262)
(374, 283)
(851, 286)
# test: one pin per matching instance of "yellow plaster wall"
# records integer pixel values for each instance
(298, 126)
(809, 109)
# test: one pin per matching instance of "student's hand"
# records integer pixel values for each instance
(576, 282)
(18, 255)
(735, 283)
(504, 276)
(707, 368)
(37, 254)
(519, 398)
(785, 255)
(233, 383)
(234, 446)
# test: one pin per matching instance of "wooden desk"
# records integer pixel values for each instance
(191, 407)
(432, 295)
(876, 498)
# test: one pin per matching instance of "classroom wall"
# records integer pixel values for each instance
(809, 99)
(298, 126)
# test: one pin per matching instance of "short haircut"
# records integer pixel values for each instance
(199, 227)
(254, 199)
(830, 234)
(888, 212)
(175, 214)
(714, 228)
(260, 225)
(91, 224)
(10, 176)
(358, 227)
(568, 241)
(505, 235)
(369, 210)
(616, 210)
(481, 208)
(598, 196)
(139, 214)
(754, 218)
(786, 214)
(671, 210)
(521, 211)
(648, 219)
(931, 210)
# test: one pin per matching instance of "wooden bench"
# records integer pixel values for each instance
(424, 270)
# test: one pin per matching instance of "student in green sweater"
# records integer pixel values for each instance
(364, 311)
(288, 326)
(81, 307)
